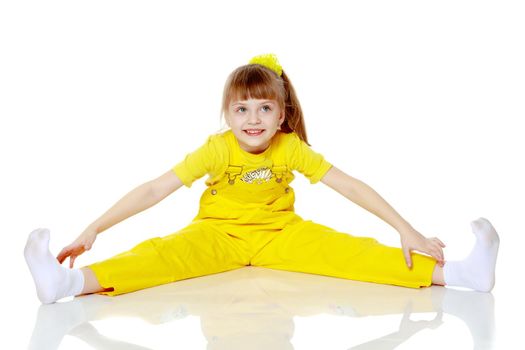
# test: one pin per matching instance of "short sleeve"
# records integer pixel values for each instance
(305, 160)
(200, 162)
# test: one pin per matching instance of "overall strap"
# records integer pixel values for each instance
(236, 164)
(279, 167)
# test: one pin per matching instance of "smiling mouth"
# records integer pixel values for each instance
(253, 132)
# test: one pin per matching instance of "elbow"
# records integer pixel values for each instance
(150, 190)
(353, 188)
(341, 182)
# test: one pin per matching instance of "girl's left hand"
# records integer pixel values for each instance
(413, 240)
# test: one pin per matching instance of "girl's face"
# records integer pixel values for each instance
(261, 117)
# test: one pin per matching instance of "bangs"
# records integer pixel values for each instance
(253, 81)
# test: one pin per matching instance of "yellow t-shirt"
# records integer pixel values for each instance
(213, 156)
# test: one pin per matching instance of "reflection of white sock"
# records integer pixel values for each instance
(476, 309)
(477, 270)
(54, 321)
(52, 280)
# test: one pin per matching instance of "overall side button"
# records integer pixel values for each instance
(214, 191)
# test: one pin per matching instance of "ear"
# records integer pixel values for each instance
(282, 118)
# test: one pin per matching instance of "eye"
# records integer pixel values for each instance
(266, 106)
(240, 109)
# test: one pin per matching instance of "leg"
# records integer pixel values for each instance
(313, 248)
(197, 250)
(437, 276)
(91, 284)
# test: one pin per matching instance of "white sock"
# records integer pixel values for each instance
(477, 270)
(52, 280)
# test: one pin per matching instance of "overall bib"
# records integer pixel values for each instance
(247, 218)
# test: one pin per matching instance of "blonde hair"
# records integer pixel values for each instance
(258, 82)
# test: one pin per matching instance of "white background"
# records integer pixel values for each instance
(421, 100)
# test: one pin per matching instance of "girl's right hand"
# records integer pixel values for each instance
(79, 246)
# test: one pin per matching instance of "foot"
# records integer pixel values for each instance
(477, 271)
(52, 280)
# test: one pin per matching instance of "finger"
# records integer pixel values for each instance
(436, 247)
(441, 256)
(62, 252)
(441, 244)
(408, 258)
(435, 254)
(440, 262)
(72, 260)
(438, 254)
(66, 249)
(63, 255)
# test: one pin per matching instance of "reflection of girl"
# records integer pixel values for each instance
(247, 216)
(257, 308)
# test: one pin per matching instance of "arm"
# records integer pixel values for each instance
(364, 196)
(407, 329)
(139, 199)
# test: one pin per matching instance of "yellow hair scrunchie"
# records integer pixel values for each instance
(269, 61)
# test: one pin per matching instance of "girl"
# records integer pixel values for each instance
(246, 214)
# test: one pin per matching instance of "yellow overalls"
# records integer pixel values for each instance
(246, 217)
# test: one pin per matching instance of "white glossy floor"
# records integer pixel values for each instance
(258, 308)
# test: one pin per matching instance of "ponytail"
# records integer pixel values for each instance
(294, 120)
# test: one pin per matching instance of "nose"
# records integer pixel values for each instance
(253, 118)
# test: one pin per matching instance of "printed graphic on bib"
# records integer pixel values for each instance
(257, 176)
